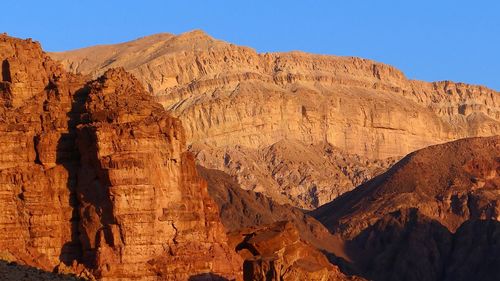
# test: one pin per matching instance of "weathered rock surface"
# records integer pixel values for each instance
(94, 178)
(288, 171)
(231, 95)
(145, 212)
(432, 216)
(235, 101)
(241, 210)
(277, 252)
(38, 160)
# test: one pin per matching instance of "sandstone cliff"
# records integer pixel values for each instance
(94, 178)
(231, 95)
(238, 104)
(144, 210)
(38, 160)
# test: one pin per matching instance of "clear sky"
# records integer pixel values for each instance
(429, 40)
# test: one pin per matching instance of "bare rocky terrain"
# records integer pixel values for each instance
(182, 157)
(432, 216)
(96, 180)
(235, 103)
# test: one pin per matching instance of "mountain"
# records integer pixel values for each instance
(229, 96)
(95, 178)
(432, 216)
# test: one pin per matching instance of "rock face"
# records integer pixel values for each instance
(241, 210)
(144, 210)
(234, 101)
(305, 176)
(432, 216)
(38, 162)
(277, 253)
(94, 178)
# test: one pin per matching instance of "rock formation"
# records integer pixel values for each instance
(432, 216)
(229, 96)
(288, 171)
(244, 210)
(94, 178)
(144, 210)
(276, 252)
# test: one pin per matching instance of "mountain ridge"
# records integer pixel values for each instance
(233, 99)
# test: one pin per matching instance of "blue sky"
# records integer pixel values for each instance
(429, 40)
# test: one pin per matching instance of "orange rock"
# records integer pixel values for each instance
(145, 211)
(276, 252)
(235, 101)
(94, 178)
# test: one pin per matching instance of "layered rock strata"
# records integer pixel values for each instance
(231, 95)
(94, 178)
(253, 107)
(38, 161)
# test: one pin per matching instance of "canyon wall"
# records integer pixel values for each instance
(231, 95)
(95, 178)
(264, 118)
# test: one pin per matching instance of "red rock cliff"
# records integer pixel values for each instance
(96, 174)
(144, 209)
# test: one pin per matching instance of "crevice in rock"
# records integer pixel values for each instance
(36, 140)
(6, 77)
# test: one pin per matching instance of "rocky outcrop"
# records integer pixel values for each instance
(432, 216)
(95, 180)
(276, 252)
(144, 210)
(255, 107)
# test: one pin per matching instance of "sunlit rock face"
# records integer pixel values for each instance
(95, 178)
(243, 110)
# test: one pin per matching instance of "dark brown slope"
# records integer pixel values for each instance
(433, 216)
(10, 271)
(450, 183)
(273, 239)
(241, 210)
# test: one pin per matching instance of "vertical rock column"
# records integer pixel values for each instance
(145, 213)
